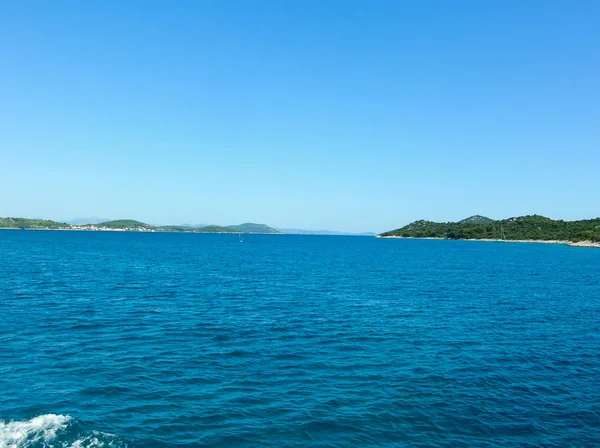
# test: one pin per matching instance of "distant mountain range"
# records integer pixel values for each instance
(83, 221)
(250, 227)
(531, 227)
(131, 225)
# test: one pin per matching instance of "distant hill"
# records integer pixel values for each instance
(84, 221)
(176, 228)
(250, 227)
(133, 224)
(214, 229)
(125, 224)
(476, 219)
(192, 226)
(532, 227)
(24, 223)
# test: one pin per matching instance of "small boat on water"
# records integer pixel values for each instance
(241, 238)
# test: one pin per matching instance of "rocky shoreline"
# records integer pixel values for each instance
(566, 243)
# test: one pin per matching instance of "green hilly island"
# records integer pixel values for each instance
(24, 223)
(531, 227)
(123, 224)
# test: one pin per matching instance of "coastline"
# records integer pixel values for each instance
(140, 230)
(564, 243)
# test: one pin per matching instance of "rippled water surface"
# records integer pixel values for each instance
(125, 339)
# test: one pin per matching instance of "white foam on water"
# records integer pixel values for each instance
(50, 430)
(96, 439)
(87, 442)
(40, 429)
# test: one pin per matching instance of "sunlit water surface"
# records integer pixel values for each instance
(164, 340)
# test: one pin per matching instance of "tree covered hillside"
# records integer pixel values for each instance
(250, 227)
(124, 224)
(476, 219)
(533, 227)
(24, 223)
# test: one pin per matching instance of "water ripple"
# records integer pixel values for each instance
(173, 340)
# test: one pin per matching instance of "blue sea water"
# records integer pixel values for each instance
(168, 340)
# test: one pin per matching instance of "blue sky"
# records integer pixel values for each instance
(347, 115)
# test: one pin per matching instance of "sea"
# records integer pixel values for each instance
(122, 339)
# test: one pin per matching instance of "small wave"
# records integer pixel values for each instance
(40, 429)
(51, 431)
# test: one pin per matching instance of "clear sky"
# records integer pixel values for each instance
(345, 115)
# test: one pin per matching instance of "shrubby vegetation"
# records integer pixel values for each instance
(124, 224)
(476, 219)
(250, 227)
(533, 227)
(24, 223)
(214, 229)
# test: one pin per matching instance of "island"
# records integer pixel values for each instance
(530, 228)
(131, 225)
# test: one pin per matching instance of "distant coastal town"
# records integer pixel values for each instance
(101, 228)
